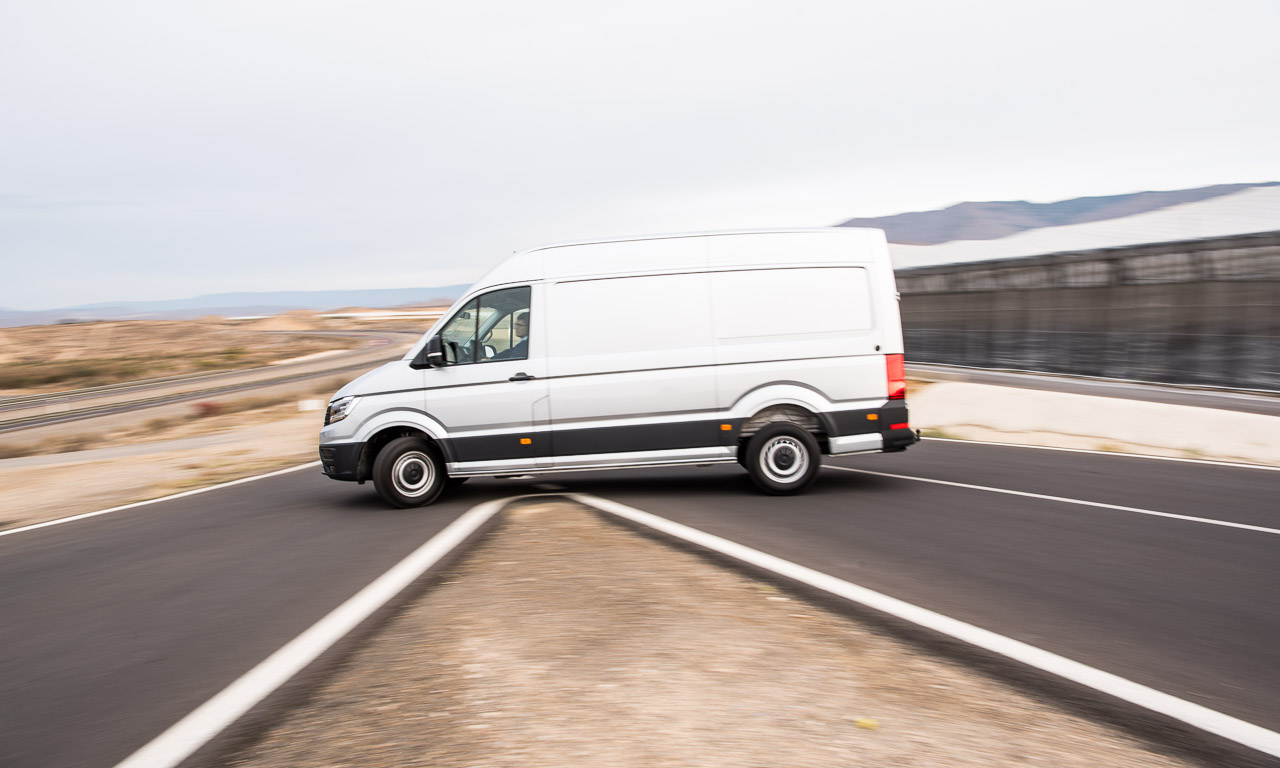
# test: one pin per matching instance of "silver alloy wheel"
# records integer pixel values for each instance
(413, 473)
(784, 459)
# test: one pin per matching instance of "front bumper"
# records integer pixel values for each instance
(341, 461)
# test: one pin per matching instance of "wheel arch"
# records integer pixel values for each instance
(382, 428)
(784, 402)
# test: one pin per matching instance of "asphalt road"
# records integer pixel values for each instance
(112, 628)
(115, 627)
(1201, 397)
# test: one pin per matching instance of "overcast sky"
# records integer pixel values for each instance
(157, 149)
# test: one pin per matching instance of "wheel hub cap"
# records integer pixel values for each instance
(785, 459)
(413, 473)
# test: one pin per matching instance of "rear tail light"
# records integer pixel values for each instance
(896, 373)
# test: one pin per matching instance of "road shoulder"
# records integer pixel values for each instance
(1001, 414)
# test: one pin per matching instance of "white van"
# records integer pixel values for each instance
(768, 348)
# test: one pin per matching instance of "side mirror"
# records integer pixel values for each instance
(431, 356)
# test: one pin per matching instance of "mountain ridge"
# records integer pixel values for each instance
(996, 219)
(234, 303)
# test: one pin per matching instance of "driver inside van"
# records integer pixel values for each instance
(521, 350)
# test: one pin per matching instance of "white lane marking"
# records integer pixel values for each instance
(1204, 718)
(1063, 499)
(1234, 464)
(195, 730)
(170, 497)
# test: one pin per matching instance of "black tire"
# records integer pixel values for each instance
(408, 472)
(454, 482)
(782, 458)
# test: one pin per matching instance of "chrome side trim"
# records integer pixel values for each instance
(629, 460)
(872, 441)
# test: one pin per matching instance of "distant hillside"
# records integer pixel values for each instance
(234, 304)
(1251, 210)
(988, 221)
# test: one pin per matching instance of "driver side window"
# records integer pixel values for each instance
(491, 327)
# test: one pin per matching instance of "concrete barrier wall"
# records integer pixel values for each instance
(1195, 312)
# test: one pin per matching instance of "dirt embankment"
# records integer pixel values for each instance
(563, 640)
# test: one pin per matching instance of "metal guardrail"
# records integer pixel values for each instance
(1204, 312)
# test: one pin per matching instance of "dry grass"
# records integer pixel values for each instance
(17, 450)
(57, 357)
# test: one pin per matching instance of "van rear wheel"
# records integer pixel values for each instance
(408, 472)
(782, 458)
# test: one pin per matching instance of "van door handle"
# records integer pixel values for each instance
(521, 376)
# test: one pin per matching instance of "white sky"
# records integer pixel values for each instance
(160, 150)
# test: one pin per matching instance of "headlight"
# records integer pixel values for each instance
(338, 409)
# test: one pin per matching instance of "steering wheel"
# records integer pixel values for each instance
(461, 352)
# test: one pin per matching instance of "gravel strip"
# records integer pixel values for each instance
(565, 640)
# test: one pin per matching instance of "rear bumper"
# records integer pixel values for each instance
(887, 441)
(341, 461)
(899, 439)
(874, 429)
(864, 443)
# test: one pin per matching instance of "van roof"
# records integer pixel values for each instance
(691, 251)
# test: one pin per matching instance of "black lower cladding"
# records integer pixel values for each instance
(595, 440)
(499, 447)
(341, 460)
(669, 436)
(866, 420)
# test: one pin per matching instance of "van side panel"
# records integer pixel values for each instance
(627, 351)
(814, 325)
(791, 314)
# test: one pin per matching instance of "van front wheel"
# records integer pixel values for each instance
(408, 472)
(782, 458)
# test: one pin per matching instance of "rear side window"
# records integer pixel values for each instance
(785, 304)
